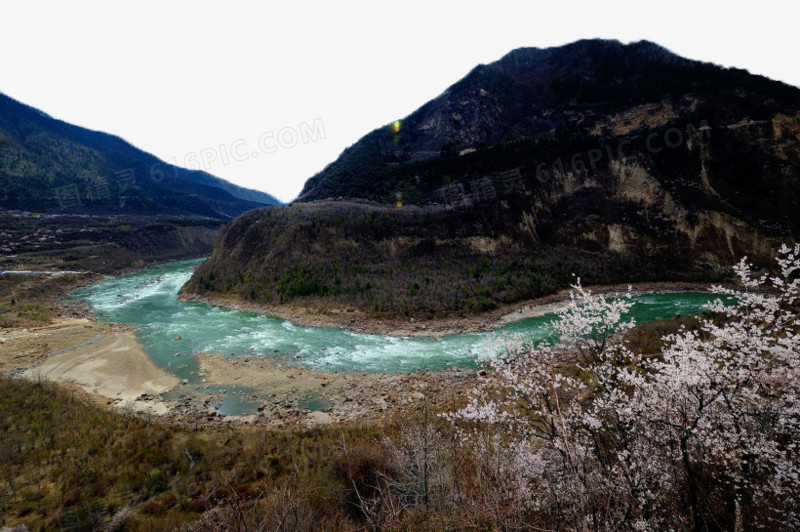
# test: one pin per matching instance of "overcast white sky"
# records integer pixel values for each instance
(288, 85)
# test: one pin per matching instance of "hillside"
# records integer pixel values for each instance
(619, 163)
(415, 262)
(48, 165)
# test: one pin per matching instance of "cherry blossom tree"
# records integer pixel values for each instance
(726, 399)
(569, 408)
(702, 437)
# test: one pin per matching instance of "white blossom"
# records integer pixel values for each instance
(609, 434)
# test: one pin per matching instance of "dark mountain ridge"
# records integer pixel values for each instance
(49, 165)
(616, 162)
(544, 97)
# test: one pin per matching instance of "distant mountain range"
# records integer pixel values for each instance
(48, 165)
(619, 163)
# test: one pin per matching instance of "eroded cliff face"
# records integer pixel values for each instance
(619, 163)
(631, 206)
(658, 223)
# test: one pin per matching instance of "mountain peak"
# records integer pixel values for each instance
(537, 95)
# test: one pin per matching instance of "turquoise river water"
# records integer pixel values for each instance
(173, 332)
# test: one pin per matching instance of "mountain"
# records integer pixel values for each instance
(535, 107)
(48, 165)
(619, 163)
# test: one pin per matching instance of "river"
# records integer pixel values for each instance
(173, 332)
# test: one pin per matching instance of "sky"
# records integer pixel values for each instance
(266, 94)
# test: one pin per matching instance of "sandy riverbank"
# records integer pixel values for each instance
(103, 359)
(106, 361)
(292, 395)
(23, 347)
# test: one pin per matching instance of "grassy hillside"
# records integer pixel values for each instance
(70, 465)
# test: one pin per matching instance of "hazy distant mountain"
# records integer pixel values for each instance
(616, 162)
(52, 166)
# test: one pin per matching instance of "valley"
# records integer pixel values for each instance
(561, 295)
